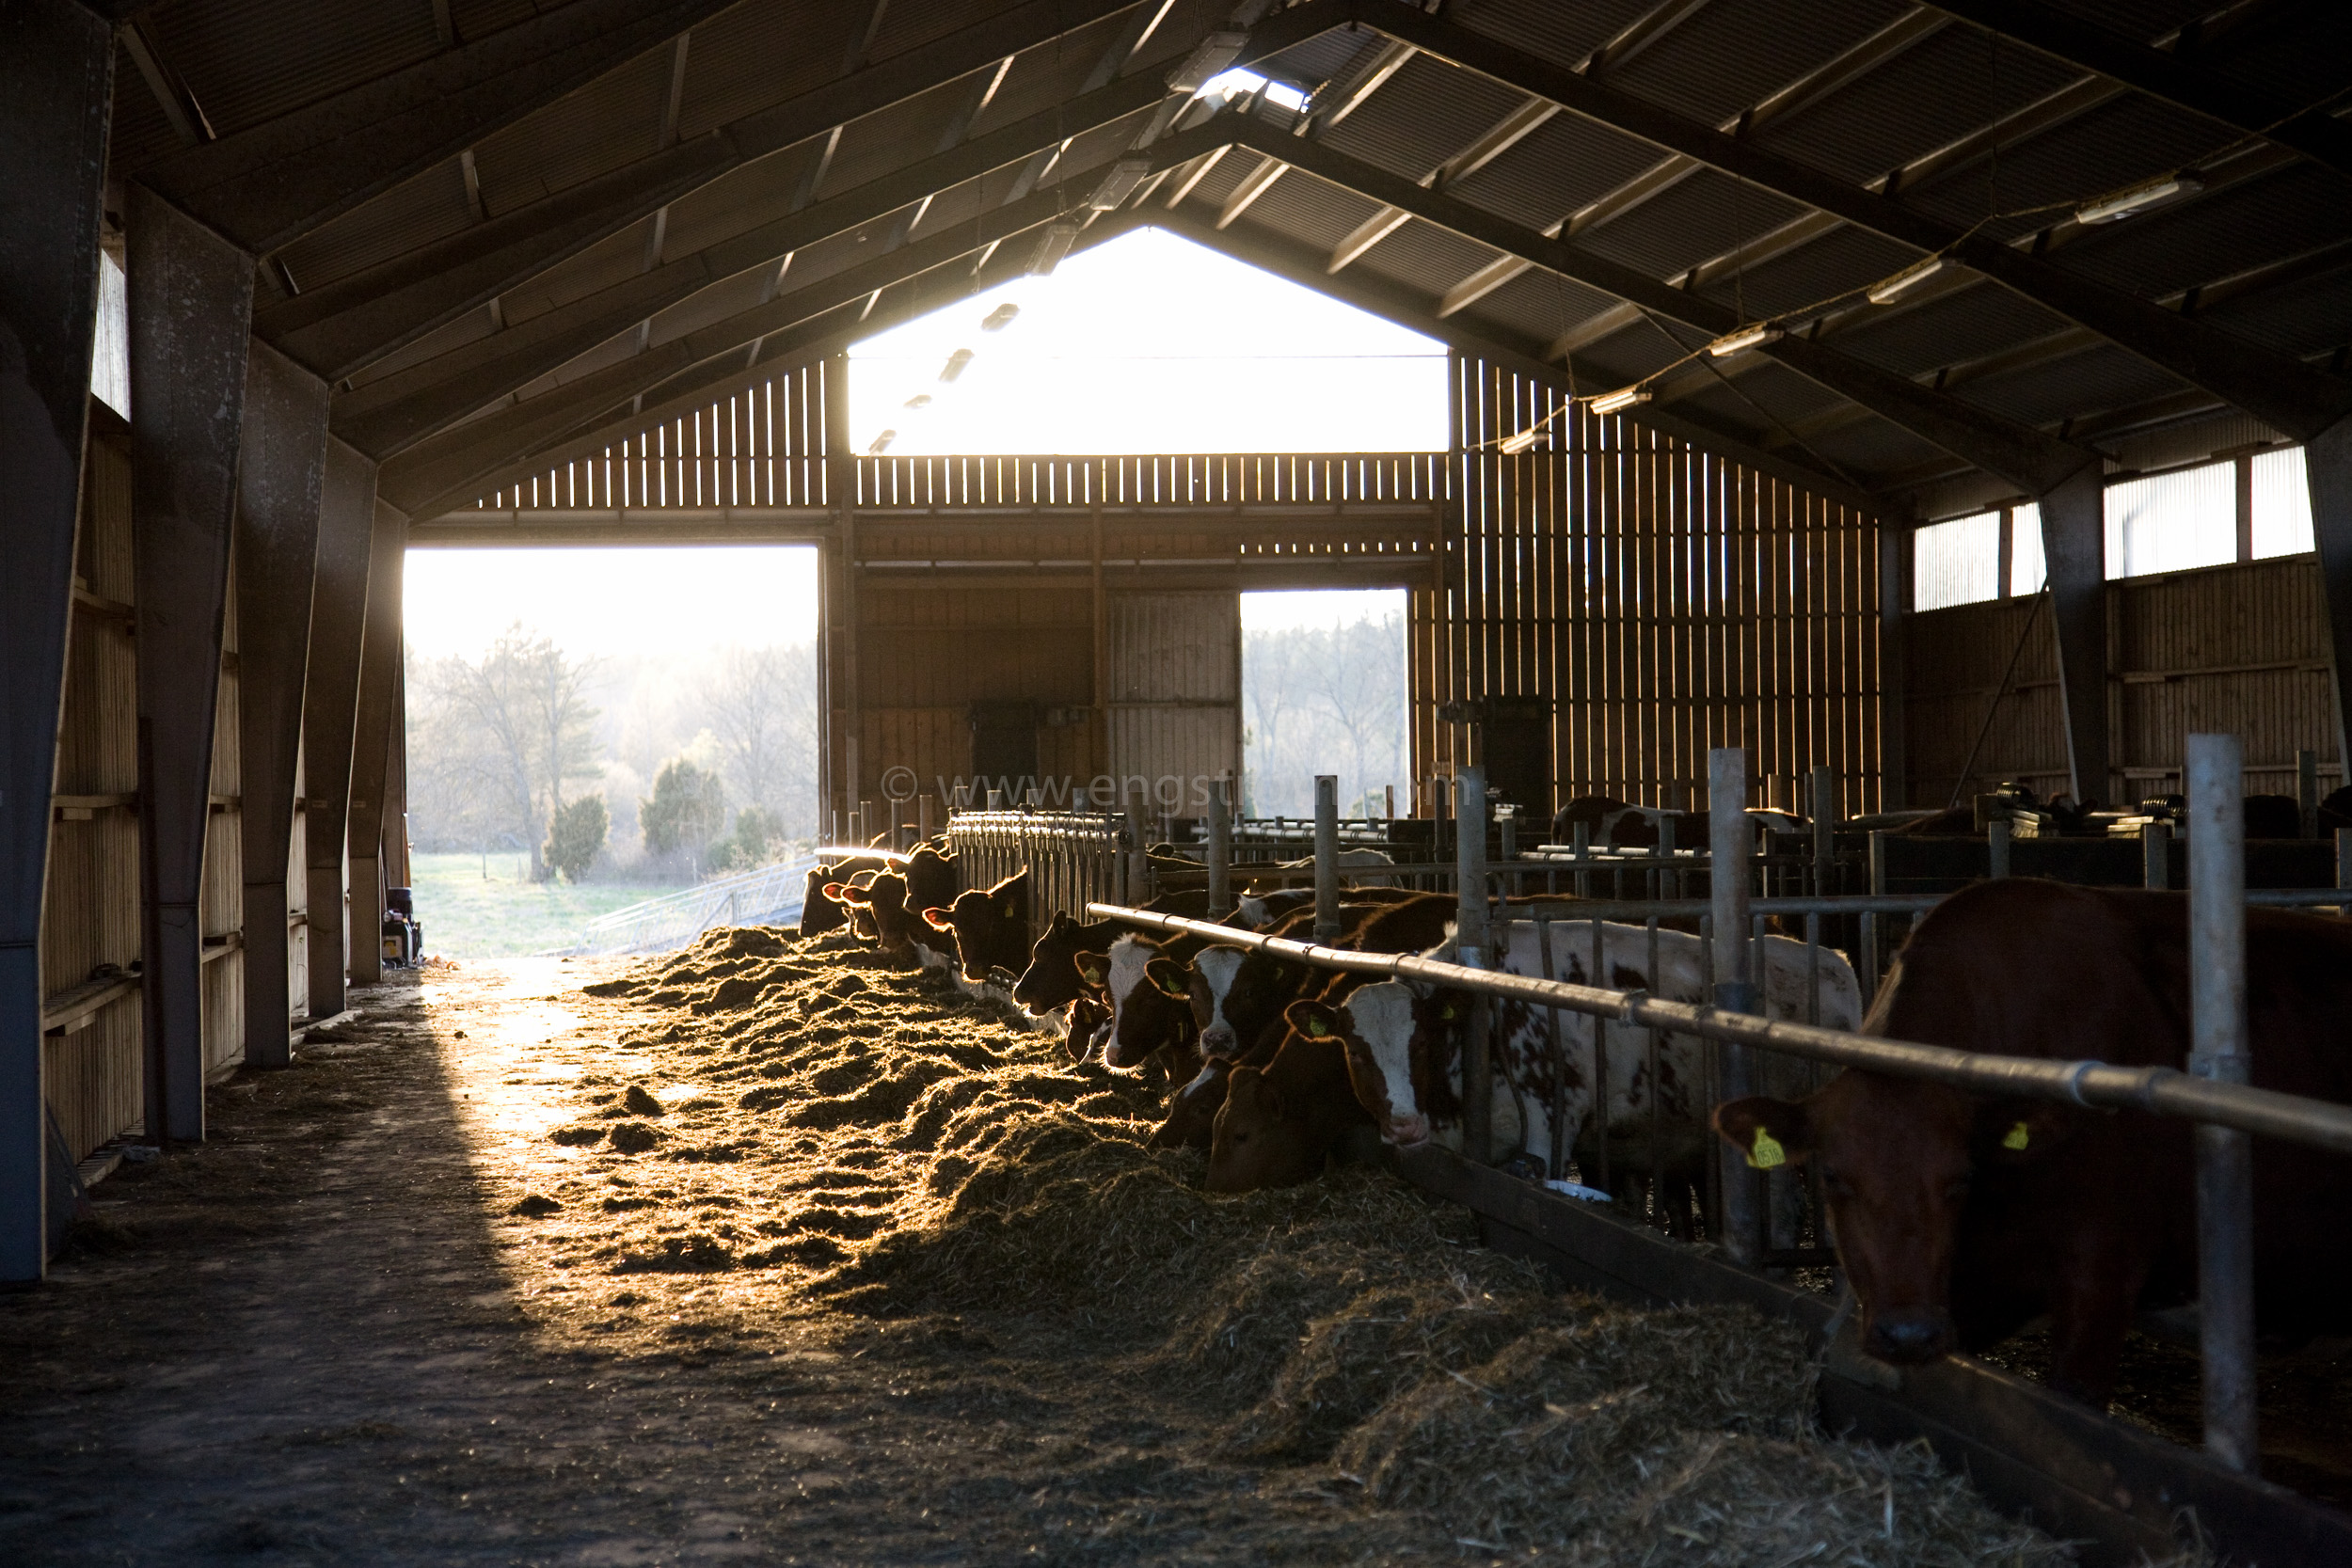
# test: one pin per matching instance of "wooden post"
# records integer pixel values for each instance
(191, 309)
(2306, 788)
(1327, 857)
(2327, 470)
(2073, 539)
(1997, 839)
(56, 74)
(2156, 856)
(330, 706)
(2225, 1158)
(280, 470)
(1221, 850)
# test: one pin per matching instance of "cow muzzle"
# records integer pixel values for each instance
(1407, 1131)
(1217, 1040)
(1907, 1335)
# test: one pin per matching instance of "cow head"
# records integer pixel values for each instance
(820, 911)
(1144, 1017)
(883, 901)
(1053, 978)
(991, 926)
(1234, 994)
(930, 876)
(1257, 1141)
(1896, 1161)
(1399, 1042)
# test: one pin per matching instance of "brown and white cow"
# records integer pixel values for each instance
(1961, 1218)
(991, 926)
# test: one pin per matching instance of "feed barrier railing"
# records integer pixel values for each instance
(2214, 1093)
(1073, 858)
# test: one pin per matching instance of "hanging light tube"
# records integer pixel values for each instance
(1753, 336)
(2135, 198)
(1624, 397)
(1887, 290)
(1052, 247)
(1524, 442)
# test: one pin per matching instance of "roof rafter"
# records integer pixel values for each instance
(347, 325)
(2310, 131)
(2017, 453)
(2274, 387)
(270, 185)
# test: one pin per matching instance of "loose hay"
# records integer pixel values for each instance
(837, 1133)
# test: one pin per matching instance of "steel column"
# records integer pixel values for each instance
(1731, 843)
(2073, 539)
(57, 81)
(2216, 769)
(2327, 468)
(280, 469)
(1470, 941)
(1327, 857)
(371, 742)
(331, 704)
(191, 304)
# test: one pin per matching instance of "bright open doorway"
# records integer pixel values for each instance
(1323, 692)
(672, 691)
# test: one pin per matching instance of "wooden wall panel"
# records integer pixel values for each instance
(222, 895)
(2240, 649)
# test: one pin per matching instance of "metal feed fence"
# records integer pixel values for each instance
(1752, 1213)
(768, 896)
(1073, 858)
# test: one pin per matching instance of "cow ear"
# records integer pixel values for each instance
(1171, 978)
(937, 920)
(831, 891)
(1769, 1131)
(1092, 968)
(1313, 1020)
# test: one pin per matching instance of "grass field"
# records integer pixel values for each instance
(468, 914)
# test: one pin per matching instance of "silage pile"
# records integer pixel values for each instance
(889, 1144)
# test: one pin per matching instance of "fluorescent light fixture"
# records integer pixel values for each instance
(1120, 184)
(954, 367)
(2135, 198)
(1209, 57)
(1887, 290)
(1524, 442)
(920, 400)
(1624, 397)
(1754, 336)
(1052, 247)
(1000, 318)
(1240, 83)
(882, 443)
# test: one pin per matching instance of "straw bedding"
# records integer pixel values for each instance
(884, 1146)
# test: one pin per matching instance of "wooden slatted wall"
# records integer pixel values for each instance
(1665, 600)
(2241, 649)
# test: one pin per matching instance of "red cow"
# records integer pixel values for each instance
(1961, 1218)
(820, 911)
(991, 926)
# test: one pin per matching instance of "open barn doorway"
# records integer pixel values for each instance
(1323, 692)
(590, 728)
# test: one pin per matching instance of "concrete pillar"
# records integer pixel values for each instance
(191, 298)
(372, 741)
(56, 77)
(2327, 467)
(331, 704)
(279, 475)
(2073, 539)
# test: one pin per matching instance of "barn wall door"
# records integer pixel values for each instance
(1174, 695)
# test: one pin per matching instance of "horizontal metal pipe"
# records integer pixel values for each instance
(2160, 1090)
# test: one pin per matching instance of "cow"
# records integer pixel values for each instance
(1961, 1218)
(1612, 823)
(1404, 1068)
(820, 911)
(891, 902)
(1054, 976)
(1280, 1122)
(991, 926)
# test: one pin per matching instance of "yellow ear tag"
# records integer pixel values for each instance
(1316, 1027)
(1766, 1151)
(2016, 1137)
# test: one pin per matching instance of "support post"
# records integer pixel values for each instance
(2307, 793)
(279, 473)
(1824, 832)
(2073, 539)
(2225, 1157)
(1997, 833)
(1327, 857)
(372, 740)
(1221, 850)
(2156, 856)
(1894, 544)
(57, 79)
(330, 704)
(1731, 843)
(1469, 939)
(2328, 471)
(191, 307)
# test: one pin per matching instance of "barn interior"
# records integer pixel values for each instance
(2027, 452)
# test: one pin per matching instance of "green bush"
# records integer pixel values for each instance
(576, 836)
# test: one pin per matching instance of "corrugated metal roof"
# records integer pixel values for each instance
(246, 61)
(1727, 56)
